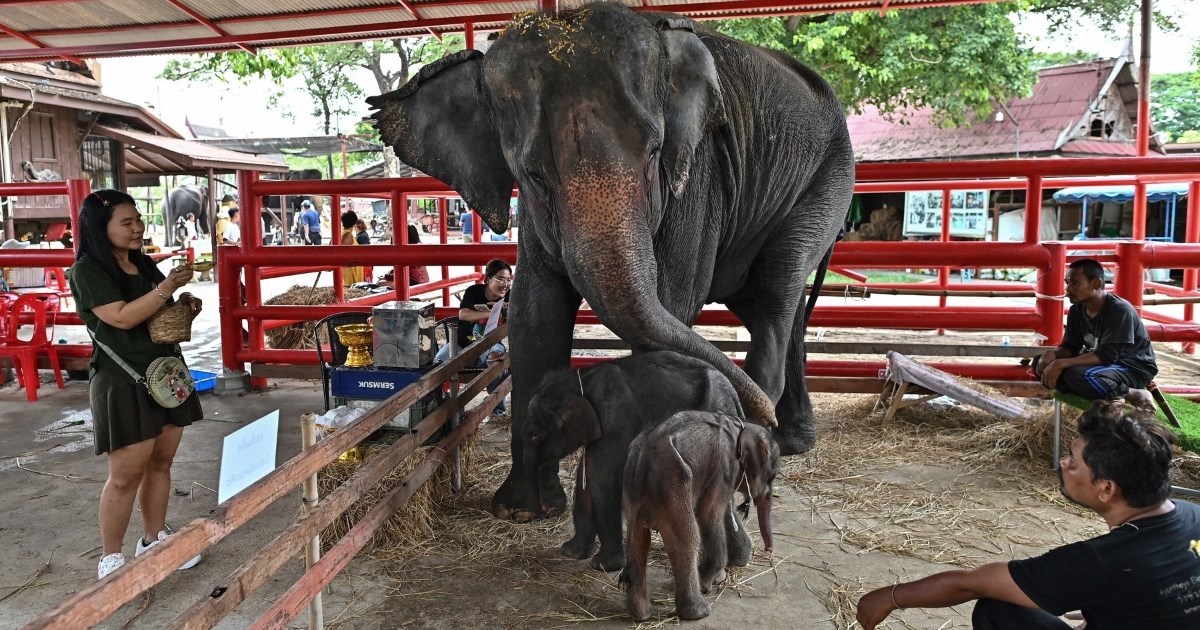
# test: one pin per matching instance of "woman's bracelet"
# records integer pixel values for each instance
(894, 604)
(165, 298)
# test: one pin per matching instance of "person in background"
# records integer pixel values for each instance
(222, 223)
(350, 275)
(466, 219)
(417, 274)
(1143, 574)
(311, 222)
(362, 237)
(1105, 352)
(232, 234)
(117, 288)
(474, 312)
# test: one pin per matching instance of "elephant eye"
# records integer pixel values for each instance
(536, 183)
(535, 438)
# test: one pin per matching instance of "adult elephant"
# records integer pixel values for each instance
(661, 166)
(180, 202)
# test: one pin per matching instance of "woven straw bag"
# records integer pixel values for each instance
(172, 323)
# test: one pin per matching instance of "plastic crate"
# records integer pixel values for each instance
(205, 381)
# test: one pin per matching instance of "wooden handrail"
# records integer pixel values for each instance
(101, 599)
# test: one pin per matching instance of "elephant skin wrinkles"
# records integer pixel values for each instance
(602, 409)
(660, 166)
(680, 480)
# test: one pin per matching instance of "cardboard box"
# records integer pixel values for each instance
(403, 334)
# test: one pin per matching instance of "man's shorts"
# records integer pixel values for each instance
(1107, 382)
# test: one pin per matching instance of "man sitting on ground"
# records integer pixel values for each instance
(1105, 352)
(1144, 573)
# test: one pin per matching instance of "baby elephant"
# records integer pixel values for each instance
(679, 479)
(602, 409)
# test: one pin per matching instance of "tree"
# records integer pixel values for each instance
(957, 60)
(953, 59)
(324, 71)
(1175, 104)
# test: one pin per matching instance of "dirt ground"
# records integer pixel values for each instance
(871, 504)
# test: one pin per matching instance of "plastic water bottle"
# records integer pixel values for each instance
(1005, 341)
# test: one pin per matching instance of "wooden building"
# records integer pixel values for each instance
(58, 125)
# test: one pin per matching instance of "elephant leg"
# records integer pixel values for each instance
(776, 358)
(737, 540)
(606, 497)
(637, 595)
(712, 537)
(583, 516)
(681, 537)
(542, 310)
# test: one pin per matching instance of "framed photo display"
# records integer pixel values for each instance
(968, 213)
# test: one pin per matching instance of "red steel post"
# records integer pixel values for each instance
(1191, 235)
(1033, 209)
(1143, 111)
(1139, 211)
(1051, 293)
(77, 190)
(1128, 281)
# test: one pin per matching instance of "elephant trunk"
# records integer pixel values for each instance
(615, 271)
(763, 506)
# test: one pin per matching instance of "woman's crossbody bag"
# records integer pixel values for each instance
(167, 380)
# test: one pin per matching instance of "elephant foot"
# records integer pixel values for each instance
(711, 580)
(692, 608)
(578, 548)
(639, 608)
(513, 500)
(609, 561)
(795, 437)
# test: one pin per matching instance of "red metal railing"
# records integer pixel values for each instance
(1044, 316)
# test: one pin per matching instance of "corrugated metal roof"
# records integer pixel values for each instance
(1060, 99)
(44, 30)
(160, 154)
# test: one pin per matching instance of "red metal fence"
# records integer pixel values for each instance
(1130, 258)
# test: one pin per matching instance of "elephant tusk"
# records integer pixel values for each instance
(733, 514)
(583, 470)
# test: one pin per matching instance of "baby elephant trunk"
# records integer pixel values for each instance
(763, 506)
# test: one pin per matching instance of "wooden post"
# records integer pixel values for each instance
(312, 551)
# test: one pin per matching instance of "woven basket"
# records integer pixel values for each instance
(172, 323)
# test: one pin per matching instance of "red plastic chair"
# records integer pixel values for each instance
(36, 309)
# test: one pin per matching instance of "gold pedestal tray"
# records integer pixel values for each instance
(357, 339)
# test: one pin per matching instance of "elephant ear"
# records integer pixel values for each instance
(694, 104)
(758, 455)
(440, 123)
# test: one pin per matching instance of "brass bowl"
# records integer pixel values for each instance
(357, 339)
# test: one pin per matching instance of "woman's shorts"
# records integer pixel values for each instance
(123, 412)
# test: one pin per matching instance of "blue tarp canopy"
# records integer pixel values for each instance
(1119, 194)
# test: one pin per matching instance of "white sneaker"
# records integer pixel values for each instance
(142, 548)
(109, 563)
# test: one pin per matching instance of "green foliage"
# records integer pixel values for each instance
(1175, 104)
(954, 59)
(1041, 60)
(1109, 15)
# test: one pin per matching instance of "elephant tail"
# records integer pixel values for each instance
(818, 282)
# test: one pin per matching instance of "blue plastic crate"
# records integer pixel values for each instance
(205, 381)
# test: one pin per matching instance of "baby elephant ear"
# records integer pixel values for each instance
(694, 103)
(439, 123)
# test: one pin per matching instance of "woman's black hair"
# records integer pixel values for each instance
(495, 266)
(94, 214)
(349, 218)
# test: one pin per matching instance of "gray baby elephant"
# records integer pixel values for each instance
(602, 409)
(679, 479)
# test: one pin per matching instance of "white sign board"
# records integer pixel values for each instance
(248, 455)
(968, 213)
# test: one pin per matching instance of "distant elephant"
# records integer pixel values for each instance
(602, 409)
(679, 480)
(661, 166)
(179, 203)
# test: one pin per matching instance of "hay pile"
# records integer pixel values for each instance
(300, 334)
(413, 525)
(884, 224)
